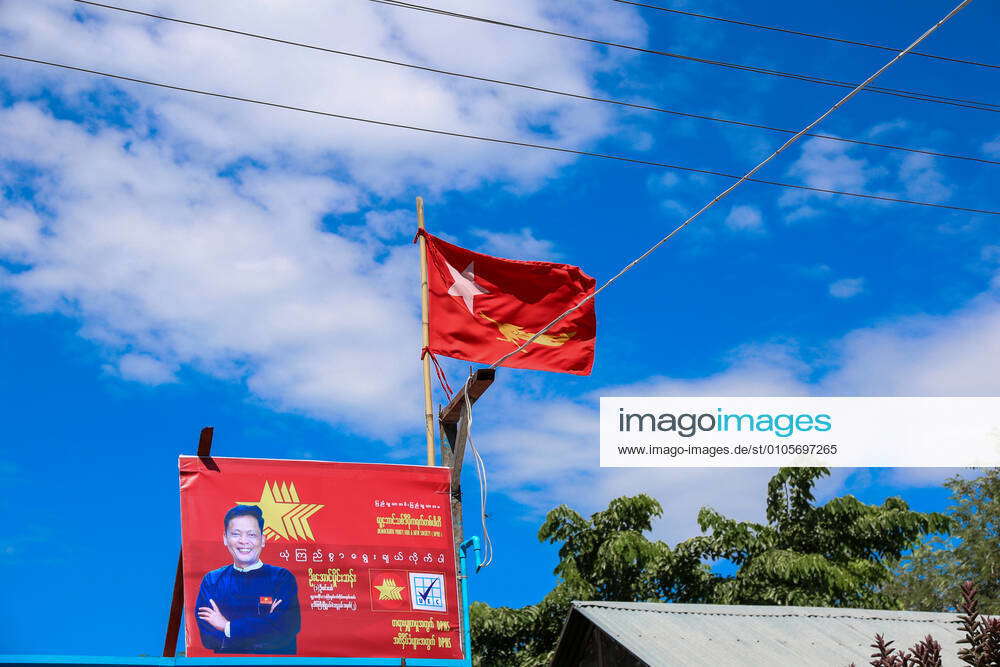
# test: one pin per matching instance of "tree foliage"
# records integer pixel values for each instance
(970, 553)
(835, 554)
(832, 555)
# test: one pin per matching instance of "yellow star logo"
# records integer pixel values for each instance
(389, 590)
(284, 516)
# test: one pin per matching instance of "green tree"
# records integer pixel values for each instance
(837, 554)
(927, 578)
(834, 555)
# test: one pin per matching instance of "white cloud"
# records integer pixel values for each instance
(759, 370)
(922, 477)
(991, 257)
(680, 195)
(827, 165)
(954, 355)
(390, 224)
(185, 231)
(745, 218)
(662, 183)
(992, 147)
(922, 180)
(803, 213)
(233, 277)
(813, 271)
(145, 369)
(516, 245)
(846, 288)
(888, 127)
(383, 159)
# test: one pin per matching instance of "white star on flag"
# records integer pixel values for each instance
(465, 285)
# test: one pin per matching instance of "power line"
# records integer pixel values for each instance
(895, 92)
(962, 61)
(530, 87)
(926, 97)
(508, 142)
(742, 179)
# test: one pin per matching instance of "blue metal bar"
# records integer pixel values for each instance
(463, 579)
(474, 542)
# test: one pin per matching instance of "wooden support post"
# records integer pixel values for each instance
(453, 420)
(454, 425)
(205, 442)
(425, 336)
(176, 607)
(177, 602)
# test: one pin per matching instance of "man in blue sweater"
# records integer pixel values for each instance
(248, 607)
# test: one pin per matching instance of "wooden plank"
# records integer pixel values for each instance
(205, 441)
(176, 606)
(477, 385)
(205, 449)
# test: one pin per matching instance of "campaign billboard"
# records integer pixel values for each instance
(316, 558)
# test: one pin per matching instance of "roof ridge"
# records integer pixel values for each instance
(842, 614)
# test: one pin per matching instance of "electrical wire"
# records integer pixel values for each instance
(800, 33)
(746, 177)
(480, 465)
(506, 142)
(533, 88)
(907, 94)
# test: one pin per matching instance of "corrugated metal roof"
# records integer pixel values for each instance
(719, 635)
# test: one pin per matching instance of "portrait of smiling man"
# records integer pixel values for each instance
(248, 606)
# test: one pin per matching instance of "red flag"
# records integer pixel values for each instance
(483, 307)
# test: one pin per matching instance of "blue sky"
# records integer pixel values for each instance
(169, 261)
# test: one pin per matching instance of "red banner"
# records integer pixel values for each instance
(313, 558)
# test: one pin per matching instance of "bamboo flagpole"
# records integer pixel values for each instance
(425, 326)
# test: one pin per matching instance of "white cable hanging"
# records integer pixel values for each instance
(481, 474)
